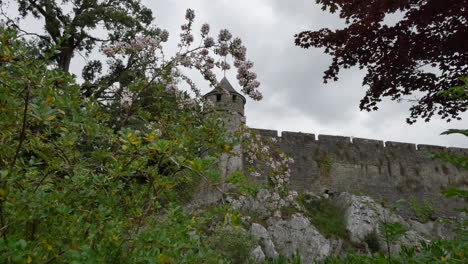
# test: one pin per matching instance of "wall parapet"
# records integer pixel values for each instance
(384, 170)
(265, 132)
(334, 139)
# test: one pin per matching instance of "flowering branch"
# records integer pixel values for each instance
(149, 51)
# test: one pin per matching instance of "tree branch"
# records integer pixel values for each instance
(24, 125)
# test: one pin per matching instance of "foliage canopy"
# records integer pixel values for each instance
(423, 53)
(70, 26)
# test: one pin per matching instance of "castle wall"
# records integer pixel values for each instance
(387, 171)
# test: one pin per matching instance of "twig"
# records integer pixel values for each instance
(24, 125)
(18, 148)
(198, 173)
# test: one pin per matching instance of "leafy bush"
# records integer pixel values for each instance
(372, 241)
(232, 244)
(453, 251)
(80, 185)
(326, 217)
(424, 211)
(325, 165)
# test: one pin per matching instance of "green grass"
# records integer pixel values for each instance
(372, 241)
(326, 217)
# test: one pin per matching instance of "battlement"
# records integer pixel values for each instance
(364, 142)
(381, 169)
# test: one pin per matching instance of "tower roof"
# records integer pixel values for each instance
(226, 85)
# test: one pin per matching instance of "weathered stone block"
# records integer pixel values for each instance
(334, 139)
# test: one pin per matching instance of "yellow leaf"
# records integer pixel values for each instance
(5, 58)
(149, 138)
(443, 258)
(124, 147)
(161, 257)
(50, 118)
(29, 260)
(61, 111)
(2, 192)
(49, 247)
(49, 100)
(130, 135)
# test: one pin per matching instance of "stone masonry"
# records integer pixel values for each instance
(386, 171)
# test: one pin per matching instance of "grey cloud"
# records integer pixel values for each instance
(295, 97)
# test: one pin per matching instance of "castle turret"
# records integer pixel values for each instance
(228, 100)
(231, 103)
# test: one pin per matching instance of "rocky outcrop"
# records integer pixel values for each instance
(363, 216)
(263, 238)
(280, 226)
(287, 237)
(264, 205)
(257, 254)
(281, 234)
(297, 234)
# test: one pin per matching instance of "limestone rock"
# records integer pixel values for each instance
(410, 238)
(336, 247)
(263, 206)
(257, 254)
(258, 232)
(261, 236)
(297, 234)
(432, 229)
(363, 216)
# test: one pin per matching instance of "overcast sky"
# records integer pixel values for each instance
(295, 98)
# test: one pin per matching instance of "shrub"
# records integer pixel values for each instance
(325, 165)
(372, 241)
(326, 217)
(80, 185)
(424, 211)
(232, 244)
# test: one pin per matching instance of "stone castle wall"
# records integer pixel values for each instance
(387, 171)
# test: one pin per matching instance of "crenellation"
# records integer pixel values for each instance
(458, 151)
(368, 142)
(297, 136)
(400, 146)
(334, 139)
(265, 132)
(431, 148)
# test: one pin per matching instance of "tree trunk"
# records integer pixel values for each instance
(65, 59)
(66, 54)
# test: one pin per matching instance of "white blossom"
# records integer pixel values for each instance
(205, 29)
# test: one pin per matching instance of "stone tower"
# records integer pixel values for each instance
(231, 103)
(228, 100)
